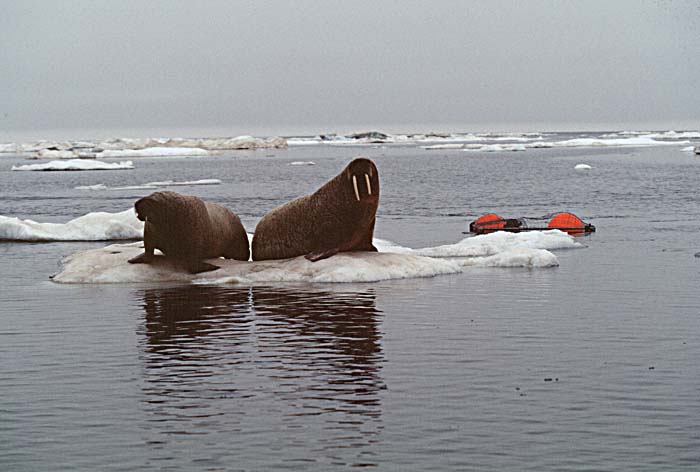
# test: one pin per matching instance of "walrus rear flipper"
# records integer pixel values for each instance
(195, 267)
(318, 255)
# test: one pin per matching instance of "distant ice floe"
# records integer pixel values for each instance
(302, 163)
(55, 154)
(531, 249)
(99, 226)
(76, 164)
(637, 141)
(480, 147)
(657, 135)
(582, 167)
(66, 149)
(427, 140)
(152, 185)
(487, 142)
(155, 152)
(10, 148)
(494, 147)
(444, 146)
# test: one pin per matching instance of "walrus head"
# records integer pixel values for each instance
(362, 181)
(158, 205)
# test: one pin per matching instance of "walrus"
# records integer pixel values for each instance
(188, 229)
(338, 217)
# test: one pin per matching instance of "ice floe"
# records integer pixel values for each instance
(494, 147)
(55, 154)
(139, 146)
(582, 167)
(637, 141)
(302, 163)
(98, 226)
(13, 148)
(109, 265)
(208, 144)
(76, 164)
(152, 185)
(532, 250)
(155, 152)
(177, 146)
(669, 135)
(444, 146)
(500, 242)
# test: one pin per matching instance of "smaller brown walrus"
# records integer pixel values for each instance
(188, 229)
(338, 217)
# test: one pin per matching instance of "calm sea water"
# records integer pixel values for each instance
(594, 365)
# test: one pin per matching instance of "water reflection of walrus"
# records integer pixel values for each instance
(188, 229)
(338, 217)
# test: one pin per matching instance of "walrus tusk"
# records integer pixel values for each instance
(354, 184)
(369, 186)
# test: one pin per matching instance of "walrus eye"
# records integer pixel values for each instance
(369, 186)
(354, 184)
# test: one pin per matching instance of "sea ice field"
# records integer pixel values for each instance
(443, 351)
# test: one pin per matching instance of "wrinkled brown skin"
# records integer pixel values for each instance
(188, 229)
(329, 221)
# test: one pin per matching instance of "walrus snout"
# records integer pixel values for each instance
(363, 178)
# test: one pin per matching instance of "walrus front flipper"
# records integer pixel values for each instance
(195, 267)
(365, 243)
(143, 258)
(318, 255)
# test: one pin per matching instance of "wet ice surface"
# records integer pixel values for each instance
(591, 365)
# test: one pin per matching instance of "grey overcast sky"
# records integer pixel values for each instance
(132, 67)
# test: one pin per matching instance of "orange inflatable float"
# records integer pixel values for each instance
(564, 221)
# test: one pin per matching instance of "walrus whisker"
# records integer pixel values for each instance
(369, 186)
(354, 184)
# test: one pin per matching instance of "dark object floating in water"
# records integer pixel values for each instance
(697, 254)
(564, 221)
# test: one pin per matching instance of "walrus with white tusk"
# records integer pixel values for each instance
(338, 217)
(189, 230)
